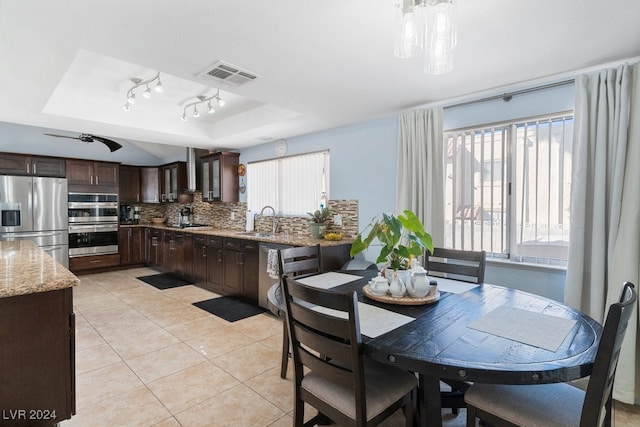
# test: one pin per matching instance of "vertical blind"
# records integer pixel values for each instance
(293, 185)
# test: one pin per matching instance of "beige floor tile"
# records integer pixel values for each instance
(121, 316)
(95, 357)
(284, 421)
(96, 386)
(274, 341)
(196, 328)
(176, 316)
(248, 362)
(86, 335)
(137, 407)
(249, 409)
(273, 388)
(219, 342)
(169, 422)
(132, 342)
(189, 294)
(258, 327)
(157, 364)
(189, 387)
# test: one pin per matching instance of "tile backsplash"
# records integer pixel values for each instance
(220, 215)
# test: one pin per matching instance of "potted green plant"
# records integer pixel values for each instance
(319, 219)
(403, 238)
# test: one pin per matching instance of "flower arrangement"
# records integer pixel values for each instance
(403, 238)
(320, 216)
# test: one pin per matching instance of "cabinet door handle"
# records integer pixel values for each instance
(34, 169)
(219, 255)
(204, 252)
(97, 183)
(91, 179)
(27, 168)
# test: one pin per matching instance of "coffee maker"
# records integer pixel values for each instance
(129, 214)
(185, 216)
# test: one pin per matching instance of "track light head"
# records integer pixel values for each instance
(126, 107)
(159, 88)
(184, 117)
(221, 102)
(131, 99)
(210, 108)
(195, 111)
(147, 93)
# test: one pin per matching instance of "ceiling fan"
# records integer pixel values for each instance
(85, 137)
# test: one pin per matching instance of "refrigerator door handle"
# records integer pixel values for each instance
(29, 235)
(35, 205)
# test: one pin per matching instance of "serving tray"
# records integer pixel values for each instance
(405, 300)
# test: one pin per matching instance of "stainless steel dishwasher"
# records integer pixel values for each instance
(264, 280)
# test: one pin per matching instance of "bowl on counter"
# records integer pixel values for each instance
(156, 220)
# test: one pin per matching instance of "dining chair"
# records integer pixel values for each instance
(296, 262)
(559, 404)
(331, 373)
(467, 266)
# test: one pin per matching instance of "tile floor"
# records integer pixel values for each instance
(146, 357)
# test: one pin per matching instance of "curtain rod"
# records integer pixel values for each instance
(508, 95)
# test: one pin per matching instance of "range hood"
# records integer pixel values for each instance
(192, 167)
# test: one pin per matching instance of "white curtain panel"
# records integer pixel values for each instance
(604, 248)
(420, 169)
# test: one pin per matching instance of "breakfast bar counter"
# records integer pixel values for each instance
(27, 269)
(37, 358)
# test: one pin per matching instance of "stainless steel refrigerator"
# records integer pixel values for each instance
(35, 208)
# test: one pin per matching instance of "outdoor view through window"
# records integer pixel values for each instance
(507, 189)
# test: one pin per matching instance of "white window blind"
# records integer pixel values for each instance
(293, 185)
(507, 189)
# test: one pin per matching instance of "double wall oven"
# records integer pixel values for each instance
(93, 224)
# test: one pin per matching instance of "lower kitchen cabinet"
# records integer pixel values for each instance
(153, 247)
(131, 245)
(215, 264)
(199, 251)
(241, 268)
(38, 357)
(93, 262)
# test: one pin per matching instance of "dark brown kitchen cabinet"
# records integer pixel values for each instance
(174, 253)
(153, 247)
(131, 245)
(149, 184)
(93, 262)
(173, 180)
(241, 268)
(215, 263)
(38, 356)
(22, 164)
(84, 175)
(129, 184)
(199, 251)
(219, 176)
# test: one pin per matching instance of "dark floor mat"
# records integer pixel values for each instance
(229, 308)
(164, 281)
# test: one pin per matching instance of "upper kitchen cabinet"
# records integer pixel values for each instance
(220, 177)
(173, 179)
(149, 184)
(84, 175)
(21, 164)
(129, 184)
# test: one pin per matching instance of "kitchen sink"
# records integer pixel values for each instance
(188, 225)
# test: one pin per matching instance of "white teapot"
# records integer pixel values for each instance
(397, 288)
(418, 286)
(379, 285)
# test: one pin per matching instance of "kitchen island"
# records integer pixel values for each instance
(37, 355)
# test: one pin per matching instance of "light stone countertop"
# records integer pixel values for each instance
(280, 238)
(27, 269)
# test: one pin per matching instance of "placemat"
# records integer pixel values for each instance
(527, 327)
(452, 286)
(328, 280)
(374, 321)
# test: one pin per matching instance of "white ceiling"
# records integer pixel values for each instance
(67, 64)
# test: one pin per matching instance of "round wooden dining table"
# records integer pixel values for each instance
(439, 344)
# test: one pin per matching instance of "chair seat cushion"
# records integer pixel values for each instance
(543, 405)
(384, 385)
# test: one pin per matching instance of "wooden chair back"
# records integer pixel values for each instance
(300, 261)
(467, 266)
(598, 396)
(326, 343)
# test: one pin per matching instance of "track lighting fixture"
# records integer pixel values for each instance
(201, 100)
(131, 96)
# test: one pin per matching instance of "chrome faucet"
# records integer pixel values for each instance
(274, 221)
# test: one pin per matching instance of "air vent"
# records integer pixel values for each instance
(227, 73)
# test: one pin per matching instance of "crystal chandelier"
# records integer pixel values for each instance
(427, 26)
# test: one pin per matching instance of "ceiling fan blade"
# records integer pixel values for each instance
(62, 136)
(113, 146)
